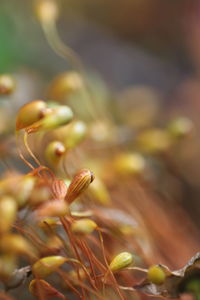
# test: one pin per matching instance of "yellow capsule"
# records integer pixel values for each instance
(48, 222)
(7, 84)
(180, 127)
(54, 242)
(65, 84)
(47, 265)
(83, 226)
(121, 261)
(79, 184)
(8, 211)
(129, 163)
(99, 192)
(56, 117)
(33, 287)
(16, 244)
(30, 113)
(102, 132)
(54, 208)
(54, 152)
(40, 195)
(156, 275)
(76, 277)
(24, 189)
(8, 264)
(47, 11)
(154, 141)
(126, 229)
(75, 134)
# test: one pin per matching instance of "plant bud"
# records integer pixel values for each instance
(24, 189)
(180, 127)
(30, 113)
(126, 230)
(8, 264)
(121, 261)
(99, 192)
(129, 163)
(40, 287)
(7, 84)
(40, 195)
(47, 11)
(83, 226)
(54, 152)
(75, 134)
(48, 222)
(54, 243)
(57, 116)
(8, 211)
(154, 141)
(54, 208)
(79, 184)
(64, 85)
(47, 265)
(75, 278)
(156, 275)
(16, 244)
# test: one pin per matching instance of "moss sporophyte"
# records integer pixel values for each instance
(84, 208)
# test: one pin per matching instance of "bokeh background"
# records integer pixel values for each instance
(125, 41)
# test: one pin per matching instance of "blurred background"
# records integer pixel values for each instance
(126, 41)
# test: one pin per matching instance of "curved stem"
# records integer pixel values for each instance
(62, 50)
(107, 265)
(29, 149)
(20, 152)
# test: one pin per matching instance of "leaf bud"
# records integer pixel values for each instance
(65, 84)
(75, 276)
(79, 184)
(74, 134)
(154, 140)
(7, 84)
(99, 192)
(8, 211)
(83, 226)
(180, 127)
(47, 11)
(121, 261)
(30, 113)
(57, 116)
(16, 244)
(24, 188)
(129, 163)
(8, 264)
(156, 275)
(54, 152)
(46, 222)
(47, 265)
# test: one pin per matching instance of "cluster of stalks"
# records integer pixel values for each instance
(88, 220)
